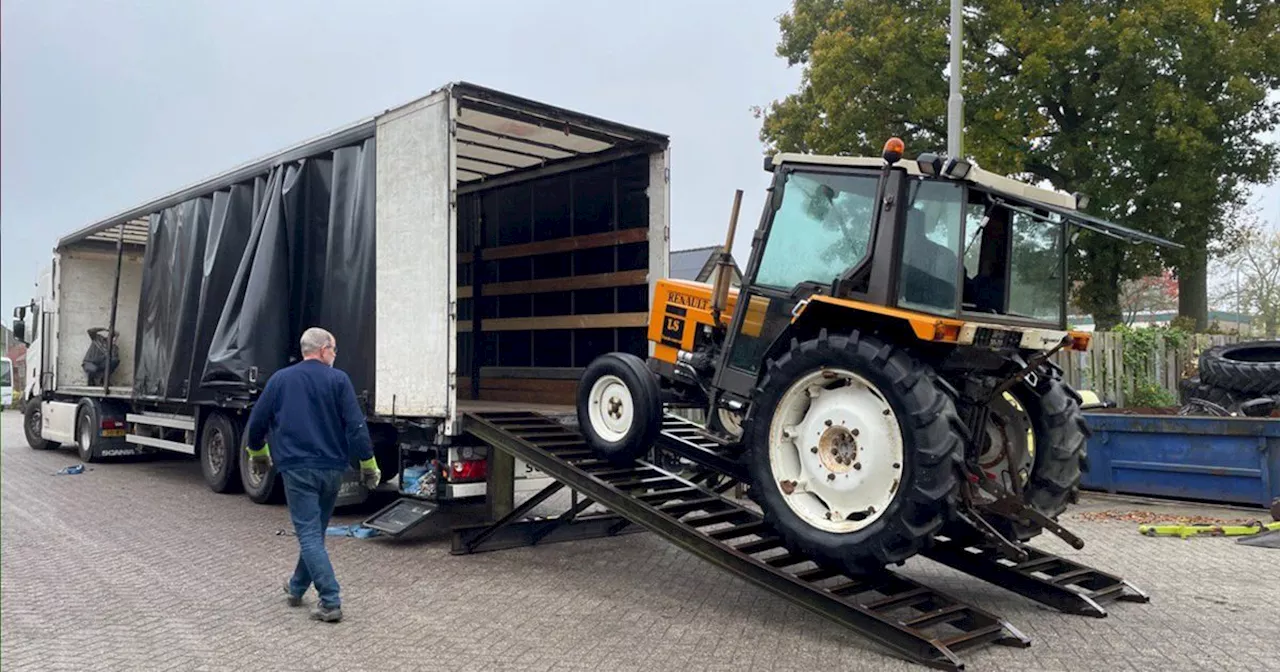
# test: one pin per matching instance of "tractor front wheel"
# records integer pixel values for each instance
(853, 451)
(619, 407)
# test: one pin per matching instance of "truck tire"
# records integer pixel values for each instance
(266, 490)
(619, 407)
(88, 431)
(853, 450)
(1061, 450)
(1192, 388)
(1252, 368)
(219, 440)
(31, 426)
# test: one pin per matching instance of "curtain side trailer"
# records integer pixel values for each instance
(470, 249)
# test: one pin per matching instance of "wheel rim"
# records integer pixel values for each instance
(612, 408)
(731, 422)
(86, 438)
(836, 451)
(33, 423)
(1011, 443)
(216, 451)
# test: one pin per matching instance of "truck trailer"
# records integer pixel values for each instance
(471, 249)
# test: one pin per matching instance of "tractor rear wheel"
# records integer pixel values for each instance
(853, 451)
(1058, 443)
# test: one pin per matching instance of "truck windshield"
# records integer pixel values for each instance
(822, 229)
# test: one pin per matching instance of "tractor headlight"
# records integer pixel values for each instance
(930, 164)
(957, 169)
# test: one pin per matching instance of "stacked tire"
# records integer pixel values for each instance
(1233, 374)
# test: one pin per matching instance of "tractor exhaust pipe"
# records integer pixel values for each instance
(724, 264)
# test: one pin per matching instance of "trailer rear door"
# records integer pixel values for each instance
(416, 265)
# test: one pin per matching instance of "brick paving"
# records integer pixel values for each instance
(140, 567)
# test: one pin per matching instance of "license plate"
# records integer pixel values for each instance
(526, 470)
(113, 433)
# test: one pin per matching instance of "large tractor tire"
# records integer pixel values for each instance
(1192, 388)
(1056, 454)
(853, 451)
(1251, 368)
(619, 407)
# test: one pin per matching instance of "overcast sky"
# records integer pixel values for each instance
(106, 105)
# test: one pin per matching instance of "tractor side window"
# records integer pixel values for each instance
(1036, 269)
(931, 246)
(822, 229)
(6, 373)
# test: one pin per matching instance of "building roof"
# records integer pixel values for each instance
(697, 263)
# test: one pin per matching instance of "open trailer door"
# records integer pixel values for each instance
(416, 305)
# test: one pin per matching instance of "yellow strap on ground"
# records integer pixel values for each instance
(1184, 531)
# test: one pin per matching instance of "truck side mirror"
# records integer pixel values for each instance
(20, 313)
(20, 330)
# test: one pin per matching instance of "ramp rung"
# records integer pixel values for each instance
(764, 544)
(667, 495)
(937, 616)
(1065, 578)
(901, 599)
(974, 637)
(732, 516)
(1038, 563)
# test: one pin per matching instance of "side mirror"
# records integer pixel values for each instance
(20, 313)
(20, 331)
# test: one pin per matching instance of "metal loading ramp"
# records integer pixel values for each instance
(914, 621)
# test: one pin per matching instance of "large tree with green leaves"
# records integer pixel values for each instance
(1152, 107)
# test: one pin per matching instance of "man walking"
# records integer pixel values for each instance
(316, 427)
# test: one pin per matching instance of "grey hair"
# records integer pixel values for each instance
(314, 339)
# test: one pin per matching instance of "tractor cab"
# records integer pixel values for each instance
(934, 246)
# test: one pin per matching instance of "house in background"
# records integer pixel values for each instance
(698, 263)
(1224, 321)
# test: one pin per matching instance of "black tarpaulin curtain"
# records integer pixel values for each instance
(232, 279)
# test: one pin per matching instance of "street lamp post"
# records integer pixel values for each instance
(955, 104)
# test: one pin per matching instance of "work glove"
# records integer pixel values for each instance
(259, 461)
(370, 475)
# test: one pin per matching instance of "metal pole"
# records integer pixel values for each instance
(955, 104)
(115, 300)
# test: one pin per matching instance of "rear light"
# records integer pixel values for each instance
(112, 424)
(468, 470)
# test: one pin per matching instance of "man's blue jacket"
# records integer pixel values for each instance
(310, 411)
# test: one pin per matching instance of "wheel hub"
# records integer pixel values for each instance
(838, 449)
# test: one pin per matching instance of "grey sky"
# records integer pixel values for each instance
(106, 105)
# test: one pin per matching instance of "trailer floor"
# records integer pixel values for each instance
(140, 567)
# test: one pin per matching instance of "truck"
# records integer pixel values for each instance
(468, 249)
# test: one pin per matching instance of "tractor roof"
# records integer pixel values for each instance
(999, 185)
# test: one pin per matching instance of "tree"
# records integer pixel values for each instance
(1152, 107)
(1151, 293)
(1252, 284)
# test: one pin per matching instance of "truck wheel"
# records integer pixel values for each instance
(267, 489)
(218, 442)
(1061, 442)
(1252, 368)
(88, 429)
(853, 451)
(619, 407)
(31, 426)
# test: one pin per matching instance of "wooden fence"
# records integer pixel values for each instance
(1104, 371)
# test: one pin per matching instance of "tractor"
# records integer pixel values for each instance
(884, 370)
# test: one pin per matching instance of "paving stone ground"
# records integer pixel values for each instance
(140, 567)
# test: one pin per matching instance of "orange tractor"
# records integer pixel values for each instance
(884, 369)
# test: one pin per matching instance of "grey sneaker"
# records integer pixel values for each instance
(326, 614)
(294, 601)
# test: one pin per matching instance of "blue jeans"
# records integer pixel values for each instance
(312, 494)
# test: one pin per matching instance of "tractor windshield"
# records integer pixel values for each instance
(822, 229)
